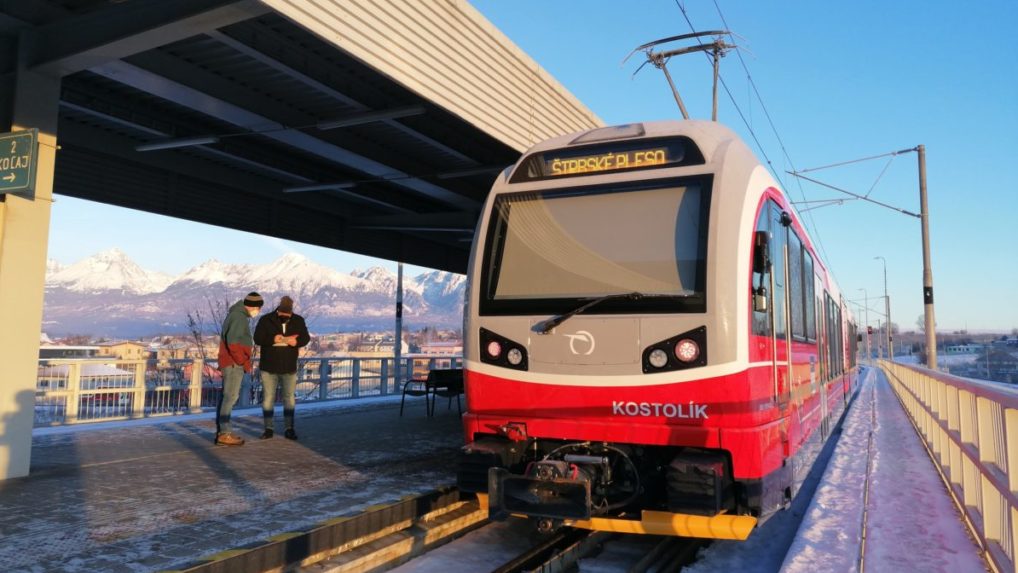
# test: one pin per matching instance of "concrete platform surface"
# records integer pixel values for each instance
(155, 494)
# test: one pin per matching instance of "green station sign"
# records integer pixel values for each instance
(19, 151)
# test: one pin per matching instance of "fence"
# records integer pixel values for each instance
(100, 390)
(971, 430)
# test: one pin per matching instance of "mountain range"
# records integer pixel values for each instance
(109, 294)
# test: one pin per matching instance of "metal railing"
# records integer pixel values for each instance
(971, 430)
(100, 389)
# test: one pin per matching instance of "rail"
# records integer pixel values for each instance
(101, 389)
(971, 431)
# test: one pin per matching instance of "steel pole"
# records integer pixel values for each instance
(887, 312)
(924, 213)
(397, 345)
(880, 346)
(866, 312)
(714, 111)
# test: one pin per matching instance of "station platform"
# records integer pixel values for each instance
(151, 495)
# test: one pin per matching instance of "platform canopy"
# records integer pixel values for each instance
(370, 126)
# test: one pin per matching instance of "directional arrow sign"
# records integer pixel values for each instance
(18, 154)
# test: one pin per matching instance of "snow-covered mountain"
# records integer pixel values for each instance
(110, 294)
(106, 271)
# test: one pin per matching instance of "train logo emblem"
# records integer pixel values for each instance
(583, 336)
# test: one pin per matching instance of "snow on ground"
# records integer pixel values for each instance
(911, 524)
(483, 549)
(347, 404)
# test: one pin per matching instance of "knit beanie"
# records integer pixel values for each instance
(253, 300)
(285, 305)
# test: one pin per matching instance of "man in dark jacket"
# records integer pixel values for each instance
(235, 349)
(280, 334)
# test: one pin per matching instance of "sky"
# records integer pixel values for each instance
(837, 81)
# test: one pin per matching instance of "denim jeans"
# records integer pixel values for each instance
(269, 383)
(233, 376)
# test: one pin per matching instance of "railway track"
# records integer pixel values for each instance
(386, 536)
(565, 550)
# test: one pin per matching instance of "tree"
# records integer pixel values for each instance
(920, 323)
(211, 320)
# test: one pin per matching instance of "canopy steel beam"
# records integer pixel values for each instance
(76, 43)
(226, 111)
(280, 66)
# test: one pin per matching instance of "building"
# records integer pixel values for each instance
(171, 351)
(380, 347)
(56, 351)
(125, 350)
(443, 348)
(963, 348)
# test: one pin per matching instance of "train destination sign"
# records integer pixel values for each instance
(610, 161)
(18, 153)
(606, 158)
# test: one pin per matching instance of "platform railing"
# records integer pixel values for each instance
(103, 389)
(970, 428)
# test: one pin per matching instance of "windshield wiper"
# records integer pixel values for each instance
(545, 326)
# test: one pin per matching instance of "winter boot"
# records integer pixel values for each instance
(229, 439)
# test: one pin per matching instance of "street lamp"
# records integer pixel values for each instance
(887, 311)
(866, 300)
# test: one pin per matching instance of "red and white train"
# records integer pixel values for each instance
(653, 344)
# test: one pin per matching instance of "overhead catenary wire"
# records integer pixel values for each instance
(777, 136)
(860, 160)
(856, 195)
(784, 150)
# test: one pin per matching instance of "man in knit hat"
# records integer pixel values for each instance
(280, 334)
(235, 349)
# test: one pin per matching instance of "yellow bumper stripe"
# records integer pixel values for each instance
(679, 524)
(736, 527)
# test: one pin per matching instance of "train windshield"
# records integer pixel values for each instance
(547, 250)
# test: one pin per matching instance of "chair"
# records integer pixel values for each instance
(416, 387)
(447, 383)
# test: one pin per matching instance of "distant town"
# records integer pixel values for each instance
(163, 349)
(982, 356)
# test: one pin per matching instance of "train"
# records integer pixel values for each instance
(652, 343)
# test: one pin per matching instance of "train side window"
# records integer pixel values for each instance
(840, 348)
(778, 242)
(795, 286)
(832, 351)
(809, 282)
(762, 319)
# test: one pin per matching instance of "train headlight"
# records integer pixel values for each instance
(501, 351)
(687, 350)
(658, 358)
(494, 349)
(514, 356)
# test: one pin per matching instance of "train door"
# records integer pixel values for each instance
(825, 360)
(781, 333)
(769, 302)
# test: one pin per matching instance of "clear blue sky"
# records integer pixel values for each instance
(839, 80)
